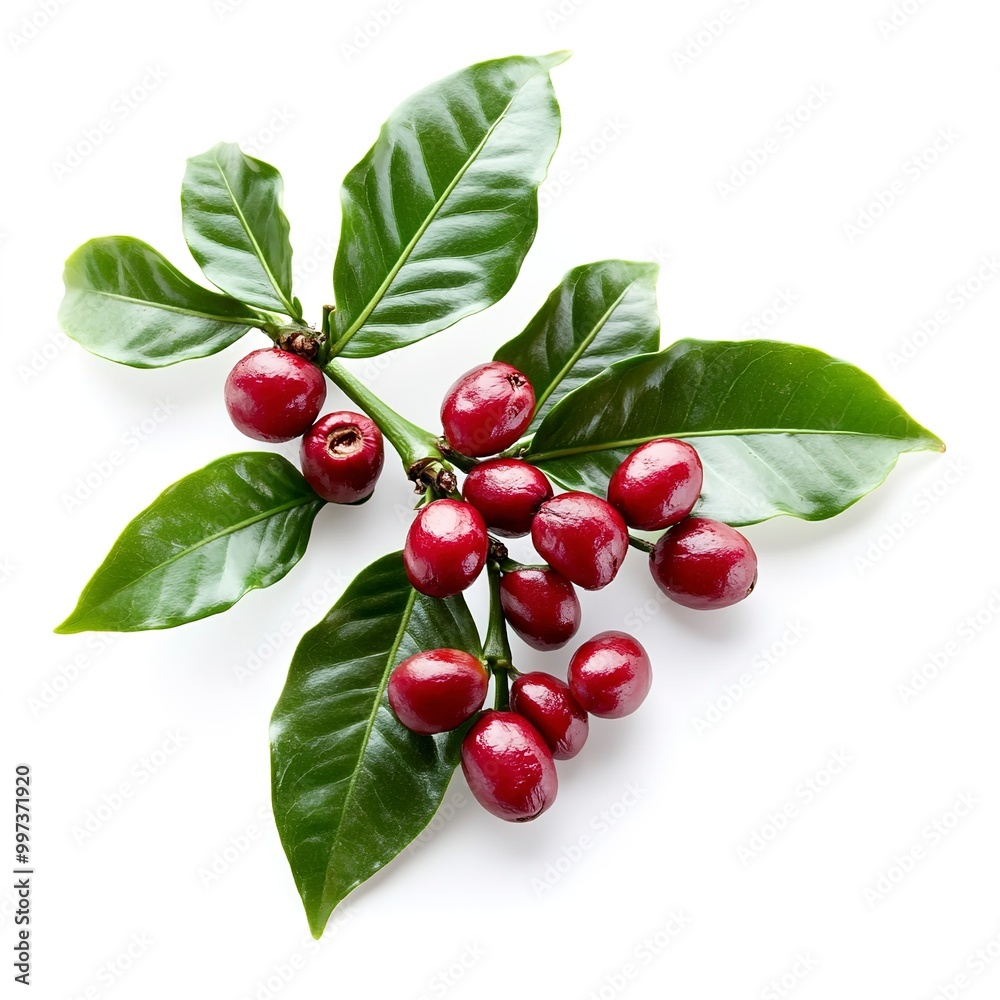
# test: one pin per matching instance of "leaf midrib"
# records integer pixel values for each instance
(166, 307)
(424, 226)
(258, 252)
(545, 456)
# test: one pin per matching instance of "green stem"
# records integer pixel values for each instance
(641, 544)
(496, 648)
(411, 442)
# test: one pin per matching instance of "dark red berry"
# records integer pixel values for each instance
(445, 548)
(508, 766)
(704, 564)
(610, 675)
(508, 493)
(272, 395)
(436, 691)
(657, 485)
(341, 456)
(487, 409)
(548, 704)
(581, 536)
(541, 606)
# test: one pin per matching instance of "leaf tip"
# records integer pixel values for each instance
(556, 58)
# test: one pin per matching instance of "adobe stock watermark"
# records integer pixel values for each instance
(904, 863)
(308, 610)
(924, 500)
(938, 660)
(913, 169)
(322, 255)
(110, 973)
(977, 963)
(122, 107)
(761, 323)
(708, 33)
(957, 298)
(805, 793)
(898, 17)
(600, 825)
(581, 159)
(7, 569)
(103, 468)
(453, 804)
(48, 350)
(650, 948)
(68, 673)
(34, 23)
(448, 977)
(760, 666)
(560, 13)
(229, 854)
(781, 986)
(223, 8)
(257, 141)
(139, 775)
(371, 28)
(757, 155)
(277, 977)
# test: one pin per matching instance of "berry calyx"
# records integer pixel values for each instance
(548, 704)
(657, 485)
(508, 766)
(508, 493)
(445, 548)
(704, 564)
(341, 456)
(273, 395)
(487, 409)
(581, 536)
(438, 690)
(541, 606)
(610, 675)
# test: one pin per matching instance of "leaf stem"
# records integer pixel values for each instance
(412, 443)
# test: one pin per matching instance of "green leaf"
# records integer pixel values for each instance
(352, 786)
(125, 302)
(780, 429)
(440, 213)
(600, 313)
(234, 225)
(240, 523)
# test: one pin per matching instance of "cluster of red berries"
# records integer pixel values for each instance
(508, 754)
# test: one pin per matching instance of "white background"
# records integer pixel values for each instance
(847, 610)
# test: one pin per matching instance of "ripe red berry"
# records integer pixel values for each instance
(508, 766)
(487, 409)
(610, 675)
(657, 485)
(341, 456)
(704, 564)
(445, 548)
(548, 704)
(581, 536)
(438, 690)
(508, 493)
(273, 395)
(541, 606)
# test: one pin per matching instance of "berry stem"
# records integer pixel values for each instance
(412, 443)
(641, 544)
(496, 647)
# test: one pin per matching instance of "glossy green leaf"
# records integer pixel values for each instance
(240, 523)
(600, 313)
(780, 429)
(234, 225)
(125, 302)
(440, 213)
(352, 786)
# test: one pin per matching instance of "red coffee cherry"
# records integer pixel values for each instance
(704, 564)
(581, 536)
(541, 606)
(438, 690)
(341, 456)
(657, 485)
(487, 409)
(273, 395)
(610, 675)
(547, 703)
(508, 493)
(508, 766)
(445, 548)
